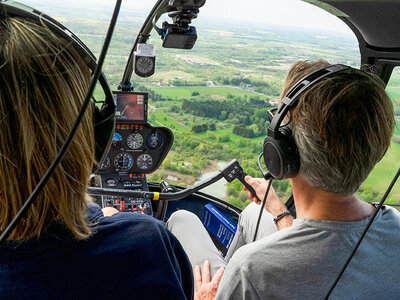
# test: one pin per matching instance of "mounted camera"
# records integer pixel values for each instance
(145, 60)
(176, 37)
(180, 35)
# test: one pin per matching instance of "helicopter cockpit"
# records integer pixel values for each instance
(137, 147)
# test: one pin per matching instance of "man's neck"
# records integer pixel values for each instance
(312, 203)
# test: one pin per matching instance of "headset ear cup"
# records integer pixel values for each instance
(281, 156)
(104, 123)
(103, 131)
(272, 157)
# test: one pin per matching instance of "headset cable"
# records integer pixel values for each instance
(262, 209)
(389, 189)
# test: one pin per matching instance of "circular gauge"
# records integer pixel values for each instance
(154, 141)
(145, 65)
(134, 141)
(123, 162)
(144, 162)
(106, 164)
(117, 140)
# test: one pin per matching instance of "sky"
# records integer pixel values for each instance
(291, 13)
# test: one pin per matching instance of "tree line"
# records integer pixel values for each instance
(203, 127)
(238, 108)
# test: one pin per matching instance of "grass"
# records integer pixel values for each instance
(383, 173)
(165, 118)
(397, 128)
(171, 75)
(393, 92)
(228, 131)
(186, 92)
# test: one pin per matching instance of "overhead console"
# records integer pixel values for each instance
(137, 149)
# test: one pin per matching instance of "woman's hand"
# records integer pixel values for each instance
(206, 289)
(109, 211)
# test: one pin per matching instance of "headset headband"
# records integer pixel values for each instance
(103, 118)
(16, 9)
(292, 97)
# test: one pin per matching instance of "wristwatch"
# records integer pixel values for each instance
(280, 216)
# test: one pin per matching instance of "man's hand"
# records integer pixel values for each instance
(206, 290)
(273, 205)
(260, 186)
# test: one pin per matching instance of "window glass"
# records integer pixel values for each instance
(376, 184)
(215, 97)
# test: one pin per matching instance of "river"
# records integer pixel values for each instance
(217, 189)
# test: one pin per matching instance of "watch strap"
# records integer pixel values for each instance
(281, 215)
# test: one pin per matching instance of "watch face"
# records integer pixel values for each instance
(144, 65)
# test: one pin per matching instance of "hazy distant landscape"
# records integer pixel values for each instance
(215, 97)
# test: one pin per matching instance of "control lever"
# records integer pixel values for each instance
(248, 186)
(235, 171)
(163, 205)
(231, 172)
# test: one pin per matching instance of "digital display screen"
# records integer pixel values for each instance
(131, 106)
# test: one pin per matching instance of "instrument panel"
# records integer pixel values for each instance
(137, 149)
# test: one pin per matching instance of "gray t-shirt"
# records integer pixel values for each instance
(302, 262)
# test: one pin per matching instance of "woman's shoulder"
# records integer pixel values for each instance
(131, 221)
(127, 231)
(121, 220)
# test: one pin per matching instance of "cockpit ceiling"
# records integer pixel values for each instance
(378, 21)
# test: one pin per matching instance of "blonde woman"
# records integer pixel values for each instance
(65, 247)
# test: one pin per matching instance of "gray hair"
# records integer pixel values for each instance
(342, 127)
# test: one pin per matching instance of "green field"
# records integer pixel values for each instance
(232, 137)
(397, 128)
(164, 118)
(393, 92)
(383, 173)
(186, 92)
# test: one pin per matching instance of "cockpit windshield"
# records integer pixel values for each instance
(215, 97)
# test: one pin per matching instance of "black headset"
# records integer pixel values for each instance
(103, 118)
(280, 152)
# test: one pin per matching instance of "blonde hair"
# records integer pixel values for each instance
(43, 82)
(342, 127)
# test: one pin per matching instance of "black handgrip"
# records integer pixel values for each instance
(291, 206)
(248, 186)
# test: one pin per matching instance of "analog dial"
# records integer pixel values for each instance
(154, 141)
(117, 140)
(134, 141)
(144, 65)
(144, 162)
(123, 162)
